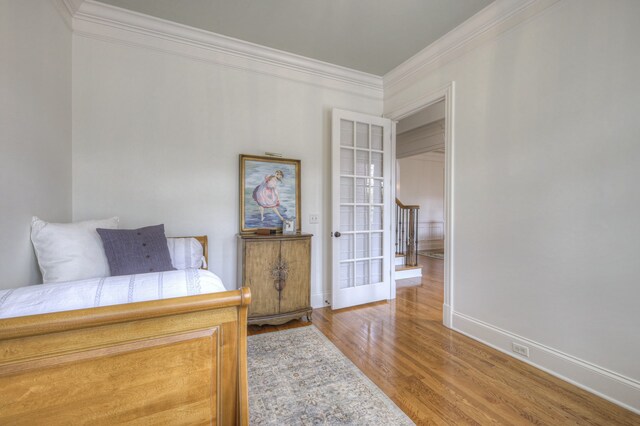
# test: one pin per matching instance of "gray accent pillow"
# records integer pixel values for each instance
(136, 251)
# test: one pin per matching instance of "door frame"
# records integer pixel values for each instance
(396, 114)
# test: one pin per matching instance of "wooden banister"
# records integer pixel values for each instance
(404, 206)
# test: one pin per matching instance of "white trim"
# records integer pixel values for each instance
(403, 274)
(392, 233)
(607, 384)
(114, 24)
(70, 7)
(448, 94)
(449, 146)
(67, 9)
(447, 312)
(320, 300)
(491, 21)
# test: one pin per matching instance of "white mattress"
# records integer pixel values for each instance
(67, 296)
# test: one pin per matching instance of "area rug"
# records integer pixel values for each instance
(298, 377)
(432, 254)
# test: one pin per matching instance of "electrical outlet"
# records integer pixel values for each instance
(314, 218)
(520, 349)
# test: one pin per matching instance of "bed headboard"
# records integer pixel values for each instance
(205, 248)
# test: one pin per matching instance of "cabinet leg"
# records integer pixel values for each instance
(309, 316)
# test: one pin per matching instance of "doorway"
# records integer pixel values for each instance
(424, 129)
(420, 154)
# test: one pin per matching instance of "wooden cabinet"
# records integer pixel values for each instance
(277, 269)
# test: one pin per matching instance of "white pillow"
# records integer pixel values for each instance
(70, 251)
(186, 253)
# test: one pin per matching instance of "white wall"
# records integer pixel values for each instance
(35, 135)
(547, 235)
(421, 182)
(157, 138)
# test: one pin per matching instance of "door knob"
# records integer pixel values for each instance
(337, 234)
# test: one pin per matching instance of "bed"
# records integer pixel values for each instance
(176, 360)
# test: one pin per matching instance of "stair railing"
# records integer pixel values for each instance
(407, 232)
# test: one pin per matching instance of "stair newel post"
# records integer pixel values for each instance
(407, 220)
(416, 236)
(407, 251)
(411, 238)
(397, 226)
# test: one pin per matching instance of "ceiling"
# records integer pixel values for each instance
(373, 36)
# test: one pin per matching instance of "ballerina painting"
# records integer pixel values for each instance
(267, 196)
(270, 192)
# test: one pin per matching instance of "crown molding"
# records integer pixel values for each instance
(67, 9)
(73, 5)
(490, 22)
(109, 23)
(93, 19)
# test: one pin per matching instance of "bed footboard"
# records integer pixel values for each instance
(172, 361)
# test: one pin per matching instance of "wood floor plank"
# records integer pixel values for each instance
(438, 376)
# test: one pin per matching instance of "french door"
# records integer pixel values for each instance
(361, 206)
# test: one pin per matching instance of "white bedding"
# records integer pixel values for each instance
(66, 296)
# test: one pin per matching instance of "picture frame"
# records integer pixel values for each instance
(289, 226)
(269, 193)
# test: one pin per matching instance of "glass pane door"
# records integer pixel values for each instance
(361, 203)
(361, 235)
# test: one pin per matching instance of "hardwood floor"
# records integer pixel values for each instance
(438, 376)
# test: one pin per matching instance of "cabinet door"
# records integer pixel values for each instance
(296, 292)
(260, 258)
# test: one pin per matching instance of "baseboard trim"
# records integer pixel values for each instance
(318, 300)
(607, 384)
(446, 315)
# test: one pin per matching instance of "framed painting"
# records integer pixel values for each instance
(269, 193)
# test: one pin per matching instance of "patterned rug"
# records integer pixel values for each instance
(298, 377)
(432, 254)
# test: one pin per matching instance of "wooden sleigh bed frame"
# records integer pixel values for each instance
(172, 361)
